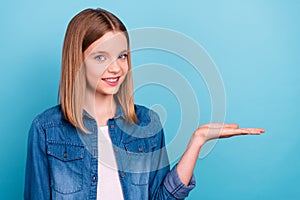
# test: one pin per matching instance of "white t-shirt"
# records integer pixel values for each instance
(109, 186)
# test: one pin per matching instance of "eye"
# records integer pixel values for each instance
(123, 56)
(100, 58)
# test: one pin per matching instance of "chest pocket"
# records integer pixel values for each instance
(140, 146)
(66, 167)
(138, 159)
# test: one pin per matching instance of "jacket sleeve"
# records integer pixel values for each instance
(37, 184)
(165, 183)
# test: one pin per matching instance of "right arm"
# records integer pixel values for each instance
(37, 182)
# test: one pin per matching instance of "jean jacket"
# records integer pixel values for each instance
(62, 160)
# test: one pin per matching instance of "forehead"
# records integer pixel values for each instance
(110, 42)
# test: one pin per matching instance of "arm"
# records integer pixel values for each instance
(165, 183)
(37, 177)
(203, 134)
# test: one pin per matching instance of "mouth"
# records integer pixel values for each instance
(112, 81)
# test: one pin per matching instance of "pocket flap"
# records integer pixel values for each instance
(144, 145)
(65, 151)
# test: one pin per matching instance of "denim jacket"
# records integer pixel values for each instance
(62, 160)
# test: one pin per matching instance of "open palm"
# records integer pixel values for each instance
(218, 130)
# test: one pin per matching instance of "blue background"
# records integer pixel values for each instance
(255, 45)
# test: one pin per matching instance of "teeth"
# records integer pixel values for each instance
(111, 80)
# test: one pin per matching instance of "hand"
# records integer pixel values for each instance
(211, 131)
(203, 134)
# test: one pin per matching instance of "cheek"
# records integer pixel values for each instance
(93, 75)
(91, 79)
(125, 68)
(124, 71)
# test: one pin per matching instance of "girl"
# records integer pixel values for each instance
(97, 144)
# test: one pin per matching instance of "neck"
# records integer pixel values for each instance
(101, 107)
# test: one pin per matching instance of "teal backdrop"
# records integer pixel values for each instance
(255, 44)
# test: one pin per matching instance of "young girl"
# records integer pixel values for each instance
(97, 144)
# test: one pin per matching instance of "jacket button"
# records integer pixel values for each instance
(122, 175)
(140, 149)
(116, 149)
(65, 154)
(94, 178)
(112, 126)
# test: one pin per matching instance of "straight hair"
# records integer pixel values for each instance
(85, 28)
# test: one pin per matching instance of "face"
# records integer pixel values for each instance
(106, 63)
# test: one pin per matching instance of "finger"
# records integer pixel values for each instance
(247, 131)
(223, 132)
(242, 131)
(227, 136)
(213, 133)
(219, 125)
(253, 130)
(234, 126)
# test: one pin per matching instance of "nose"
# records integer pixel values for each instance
(114, 67)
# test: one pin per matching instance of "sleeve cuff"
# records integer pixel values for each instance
(174, 185)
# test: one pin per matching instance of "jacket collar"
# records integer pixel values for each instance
(119, 113)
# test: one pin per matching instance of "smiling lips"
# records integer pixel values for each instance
(112, 81)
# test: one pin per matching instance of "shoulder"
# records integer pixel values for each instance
(145, 114)
(149, 123)
(50, 117)
(51, 128)
(148, 130)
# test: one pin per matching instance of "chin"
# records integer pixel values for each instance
(108, 92)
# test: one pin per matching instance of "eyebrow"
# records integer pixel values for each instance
(105, 52)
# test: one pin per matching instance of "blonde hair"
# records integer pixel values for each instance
(85, 28)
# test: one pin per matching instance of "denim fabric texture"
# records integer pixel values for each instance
(62, 160)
